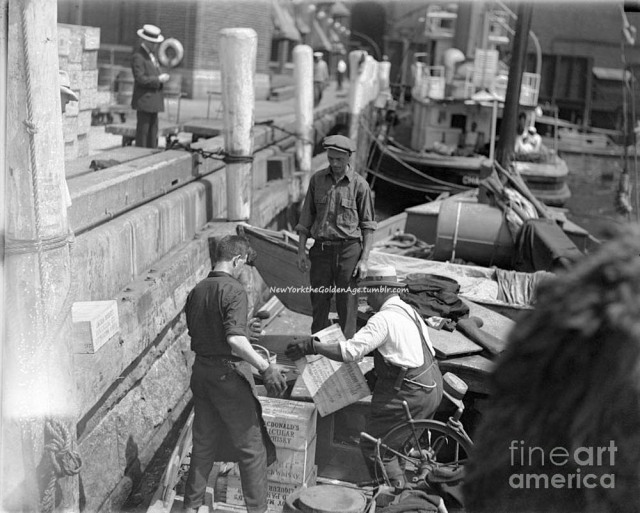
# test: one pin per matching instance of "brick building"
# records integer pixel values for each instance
(197, 24)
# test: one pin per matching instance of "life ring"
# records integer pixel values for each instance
(177, 50)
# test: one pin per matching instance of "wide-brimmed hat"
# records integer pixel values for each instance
(339, 142)
(151, 33)
(65, 85)
(381, 276)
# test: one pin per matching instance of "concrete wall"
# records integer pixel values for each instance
(148, 257)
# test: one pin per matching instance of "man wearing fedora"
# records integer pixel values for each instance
(147, 97)
(404, 361)
(338, 213)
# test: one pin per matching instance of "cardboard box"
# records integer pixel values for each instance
(276, 496)
(89, 62)
(293, 466)
(94, 322)
(91, 38)
(291, 424)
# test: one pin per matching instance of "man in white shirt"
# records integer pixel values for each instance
(404, 363)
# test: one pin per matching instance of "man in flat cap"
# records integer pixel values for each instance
(147, 97)
(404, 361)
(338, 213)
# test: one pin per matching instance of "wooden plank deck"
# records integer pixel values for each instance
(203, 128)
(114, 157)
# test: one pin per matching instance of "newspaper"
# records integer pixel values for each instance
(332, 385)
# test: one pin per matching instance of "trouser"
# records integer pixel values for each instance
(332, 265)
(340, 78)
(227, 426)
(388, 412)
(147, 129)
(318, 88)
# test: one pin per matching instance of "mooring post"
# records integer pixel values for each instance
(39, 410)
(303, 80)
(357, 90)
(238, 48)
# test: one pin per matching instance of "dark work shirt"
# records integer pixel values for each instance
(216, 309)
(337, 210)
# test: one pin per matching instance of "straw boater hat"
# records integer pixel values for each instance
(151, 33)
(381, 276)
(65, 85)
(340, 143)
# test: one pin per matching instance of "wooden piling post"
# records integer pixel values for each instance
(238, 48)
(303, 80)
(357, 91)
(38, 389)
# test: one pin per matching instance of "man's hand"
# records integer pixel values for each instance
(255, 329)
(361, 269)
(298, 350)
(163, 77)
(274, 380)
(303, 262)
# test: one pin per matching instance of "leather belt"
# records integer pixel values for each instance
(221, 360)
(340, 242)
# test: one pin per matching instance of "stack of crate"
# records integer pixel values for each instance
(78, 55)
(292, 427)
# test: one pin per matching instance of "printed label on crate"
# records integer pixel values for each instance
(277, 492)
(332, 385)
(291, 424)
(292, 466)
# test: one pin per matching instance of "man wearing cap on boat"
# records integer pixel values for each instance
(338, 213)
(320, 77)
(147, 99)
(404, 361)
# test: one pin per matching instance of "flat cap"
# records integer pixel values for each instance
(339, 142)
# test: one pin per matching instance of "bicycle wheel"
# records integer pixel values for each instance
(430, 452)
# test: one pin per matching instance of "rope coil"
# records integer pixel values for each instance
(63, 460)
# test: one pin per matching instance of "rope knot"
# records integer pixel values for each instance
(30, 126)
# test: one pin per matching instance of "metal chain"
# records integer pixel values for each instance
(220, 154)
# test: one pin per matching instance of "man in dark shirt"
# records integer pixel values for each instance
(338, 213)
(228, 424)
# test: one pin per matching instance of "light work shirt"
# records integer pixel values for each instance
(391, 332)
(337, 210)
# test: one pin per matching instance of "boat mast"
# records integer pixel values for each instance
(505, 149)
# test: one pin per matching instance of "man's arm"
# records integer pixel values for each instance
(366, 219)
(307, 217)
(241, 347)
(361, 267)
(303, 259)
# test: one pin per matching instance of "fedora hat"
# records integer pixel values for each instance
(381, 276)
(151, 33)
(65, 85)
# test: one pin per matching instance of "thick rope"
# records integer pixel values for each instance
(32, 129)
(63, 460)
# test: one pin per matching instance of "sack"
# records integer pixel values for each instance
(433, 295)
